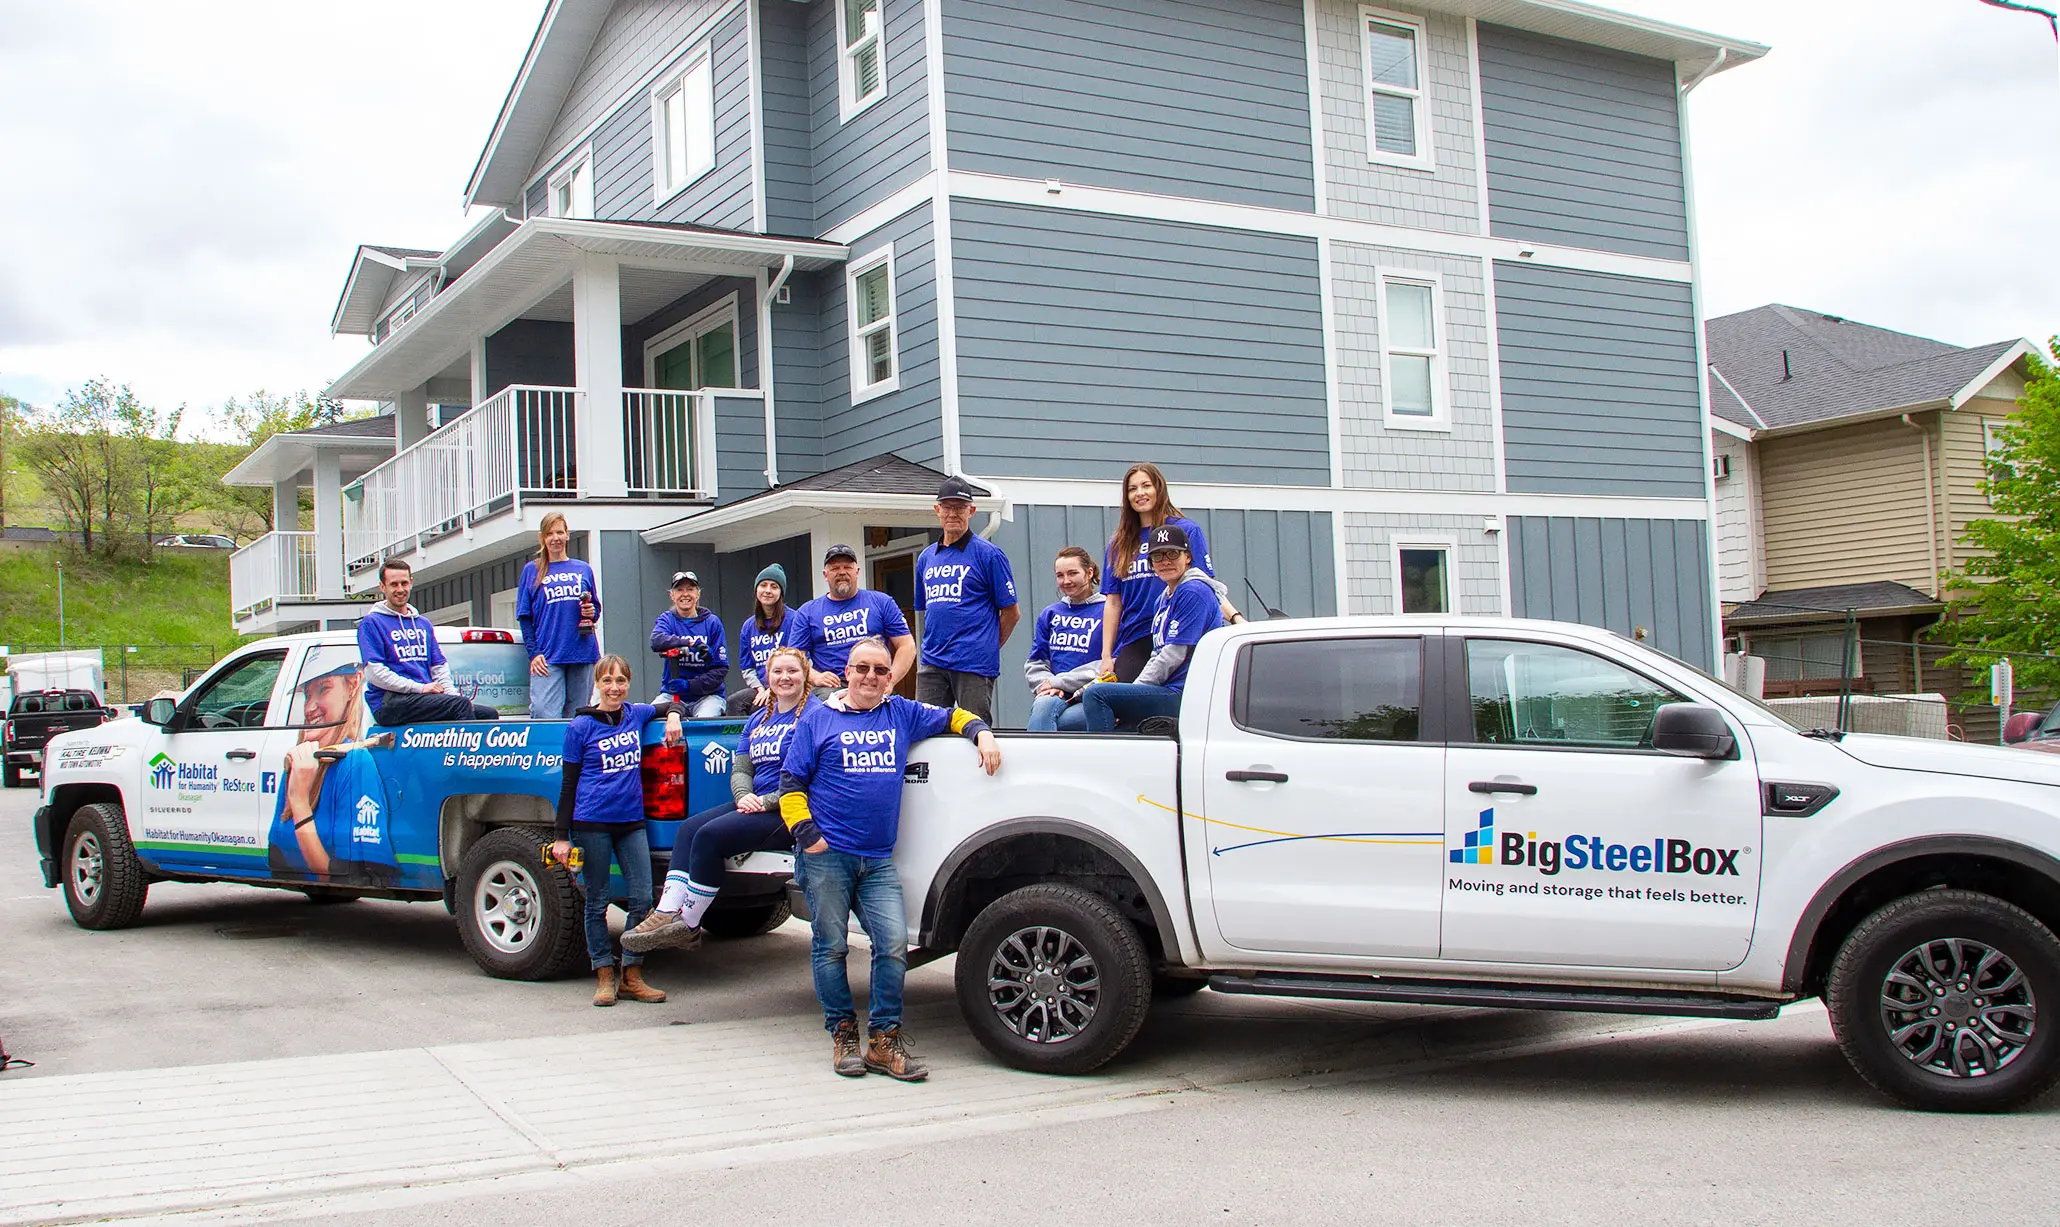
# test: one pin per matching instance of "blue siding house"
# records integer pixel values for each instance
(1403, 298)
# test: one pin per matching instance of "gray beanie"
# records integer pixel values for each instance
(777, 574)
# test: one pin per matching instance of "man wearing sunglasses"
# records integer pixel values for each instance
(840, 792)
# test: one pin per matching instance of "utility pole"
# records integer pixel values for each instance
(60, 605)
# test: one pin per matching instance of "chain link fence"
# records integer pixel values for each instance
(1892, 686)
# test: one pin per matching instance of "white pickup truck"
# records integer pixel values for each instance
(1498, 813)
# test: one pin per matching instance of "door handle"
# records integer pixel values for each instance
(1252, 777)
(241, 755)
(1521, 790)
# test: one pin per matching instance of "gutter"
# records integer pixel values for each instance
(1715, 66)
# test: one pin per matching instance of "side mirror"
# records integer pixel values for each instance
(1693, 731)
(2021, 726)
(160, 712)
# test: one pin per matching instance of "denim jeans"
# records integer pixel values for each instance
(562, 690)
(1109, 702)
(630, 848)
(837, 883)
(397, 708)
(706, 841)
(1051, 713)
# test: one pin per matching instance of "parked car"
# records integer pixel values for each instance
(196, 541)
(37, 716)
(2030, 730)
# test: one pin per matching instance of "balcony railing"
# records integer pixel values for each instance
(276, 567)
(667, 442)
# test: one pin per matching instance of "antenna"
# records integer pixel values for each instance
(1271, 612)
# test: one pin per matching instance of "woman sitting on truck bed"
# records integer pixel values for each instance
(751, 823)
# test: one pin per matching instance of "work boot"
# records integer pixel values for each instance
(604, 986)
(661, 930)
(844, 1056)
(634, 988)
(887, 1053)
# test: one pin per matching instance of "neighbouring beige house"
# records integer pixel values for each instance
(1848, 461)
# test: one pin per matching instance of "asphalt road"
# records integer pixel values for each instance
(1341, 1112)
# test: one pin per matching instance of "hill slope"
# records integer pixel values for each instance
(175, 611)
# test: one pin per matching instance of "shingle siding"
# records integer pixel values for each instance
(1446, 197)
(1623, 575)
(861, 161)
(907, 421)
(1204, 98)
(1082, 334)
(1600, 386)
(1475, 559)
(1584, 145)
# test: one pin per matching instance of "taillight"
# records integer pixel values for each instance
(665, 782)
(475, 636)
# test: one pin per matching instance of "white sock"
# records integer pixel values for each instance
(698, 899)
(676, 885)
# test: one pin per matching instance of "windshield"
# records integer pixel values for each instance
(1771, 713)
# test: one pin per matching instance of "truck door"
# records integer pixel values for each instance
(1323, 802)
(205, 800)
(1572, 841)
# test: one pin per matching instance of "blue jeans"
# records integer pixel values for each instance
(1051, 713)
(630, 848)
(705, 842)
(838, 883)
(1108, 702)
(562, 690)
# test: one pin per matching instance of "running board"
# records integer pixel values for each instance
(1499, 996)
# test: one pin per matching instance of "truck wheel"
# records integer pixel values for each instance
(750, 920)
(104, 886)
(1053, 980)
(1948, 1001)
(519, 919)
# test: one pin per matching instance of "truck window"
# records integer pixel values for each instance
(1543, 694)
(1334, 689)
(493, 674)
(237, 698)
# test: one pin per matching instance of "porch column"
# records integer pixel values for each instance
(328, 525)
(597, 369)
(286, 505)
(410, 417)
(478, 370)
(831, 530)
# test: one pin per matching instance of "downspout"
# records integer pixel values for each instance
(1723, 53)
(765, 346)
(1930, 505)
(995, 519)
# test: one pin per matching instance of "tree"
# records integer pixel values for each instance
(76, 451)
(2005, 600)
(158, 486)
(246, 511)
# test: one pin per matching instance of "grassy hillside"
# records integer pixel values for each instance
(181, 599)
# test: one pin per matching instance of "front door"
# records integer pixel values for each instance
(1323, 804)
(896, 576)
(1572, 841)
(207, 794)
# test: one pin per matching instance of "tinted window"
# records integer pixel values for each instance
(237, 698)
(1347, 689)
(1542, 694)
(493, 674)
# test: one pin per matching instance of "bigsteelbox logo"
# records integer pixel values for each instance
(1484, 845)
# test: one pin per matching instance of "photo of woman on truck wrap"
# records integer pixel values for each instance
(750, 823)
(330, 822)
(1128, 585)
(601, 809)
(556, 604)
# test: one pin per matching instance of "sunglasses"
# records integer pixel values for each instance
(862, 670)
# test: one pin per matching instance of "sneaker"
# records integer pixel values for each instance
(888, 1053)
(844, 1056)
(661, 930)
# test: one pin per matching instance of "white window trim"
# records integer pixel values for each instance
(1425, 157)
(860, 265)
(1441, 391)
(673, 82)
(1449, 546)
(847, 104)
(584, 158)
(708, 319)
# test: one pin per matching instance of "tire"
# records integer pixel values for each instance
(1173, 988)
(1100, 992)
(518, 919)
(104, 886)
(1989, 1057)
(12, 776)
(751, 920)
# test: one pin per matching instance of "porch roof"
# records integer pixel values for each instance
(534, 262)
(1831, 603)
(886, 486)
(288, 454)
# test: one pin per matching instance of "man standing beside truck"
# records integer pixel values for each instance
(967, 596)
(407, 680)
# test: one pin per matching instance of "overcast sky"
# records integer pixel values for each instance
(188, 181)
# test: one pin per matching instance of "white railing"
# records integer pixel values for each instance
(668, 442)
(276, 567)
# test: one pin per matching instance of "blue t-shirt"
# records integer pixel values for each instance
(611, 760)
(766, 735)
(756, 644)
(550, 614)
(405, 644)
(1067, 636)
(1183, 614)
(826, 629)
(349, 814)
(849, 763)
(1141, 588)
(703, 663)
(961, 590)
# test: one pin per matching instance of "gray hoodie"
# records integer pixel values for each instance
(1166, 661)
(380, 677)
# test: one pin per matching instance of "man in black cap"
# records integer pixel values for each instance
(1188, 609)
(967, 596)
(826, 627)
(691, 641)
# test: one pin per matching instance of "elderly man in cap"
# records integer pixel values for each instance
(697, 659)
(967, 596)
(826, 627)
(407, 680)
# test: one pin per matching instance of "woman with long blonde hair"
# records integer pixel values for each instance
(557, 603)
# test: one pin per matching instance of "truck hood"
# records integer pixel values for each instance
(1953, 758)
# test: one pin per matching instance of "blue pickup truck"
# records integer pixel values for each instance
(195, 790)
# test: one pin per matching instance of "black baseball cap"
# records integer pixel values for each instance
(957, 488)
(839, 551)
(1168, 537)
(685, 577)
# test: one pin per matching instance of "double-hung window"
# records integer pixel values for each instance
(869, 286)
(1412, 352)
(571, 190)
(861, 58)
(683, 129)
(1398, 129)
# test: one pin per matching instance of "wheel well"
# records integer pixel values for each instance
(1015, 861)
(2008, 880)
(468, 816)
(66, 801)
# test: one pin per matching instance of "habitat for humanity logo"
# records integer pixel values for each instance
(163, 770)
(715, 759)
(1484, 846)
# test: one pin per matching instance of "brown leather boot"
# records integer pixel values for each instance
(604, 986)
(887, 1053)
(634, 988)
